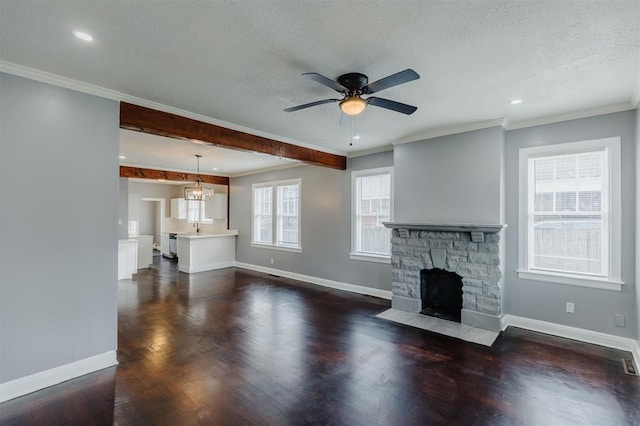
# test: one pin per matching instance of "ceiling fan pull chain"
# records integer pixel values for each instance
(354, 132)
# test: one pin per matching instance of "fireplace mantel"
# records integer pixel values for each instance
(460, 227)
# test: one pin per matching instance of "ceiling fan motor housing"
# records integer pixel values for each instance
(354, 81)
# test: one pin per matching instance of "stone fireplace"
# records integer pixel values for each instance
(473, 252)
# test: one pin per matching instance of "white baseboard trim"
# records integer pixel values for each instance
(574, 333)
(44, 379)
(202, 268)
(382, 294)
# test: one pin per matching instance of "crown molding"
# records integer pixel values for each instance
(446, 131)
(57, 80)
(384, 148)
(91, 89)
(609, 109)
(635, 99)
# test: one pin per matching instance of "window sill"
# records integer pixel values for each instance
(603, 284)
(281, 248)
(370, 257)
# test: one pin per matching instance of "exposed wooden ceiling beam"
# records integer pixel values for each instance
(142, 119)
(139, 173)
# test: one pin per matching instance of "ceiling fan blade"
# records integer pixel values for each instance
(392, 105)
(310, 104)
(392, 80)
(325, 81)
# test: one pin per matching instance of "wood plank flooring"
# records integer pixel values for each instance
(234, 347)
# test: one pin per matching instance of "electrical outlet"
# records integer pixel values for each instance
(272, 261)
(619, 320)
(570, 307)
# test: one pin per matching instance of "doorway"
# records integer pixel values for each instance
(152, 221)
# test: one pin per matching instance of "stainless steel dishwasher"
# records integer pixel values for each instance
(173, 245)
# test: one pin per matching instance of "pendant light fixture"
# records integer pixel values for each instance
(197, 191)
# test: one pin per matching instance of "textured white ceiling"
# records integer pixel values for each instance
(241, 61)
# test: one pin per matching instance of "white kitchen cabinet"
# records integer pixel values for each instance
(164, 244)
(178, 208)
(127, 258)
(145, 250)
(204, 252)
(134, 214)
(216, 207)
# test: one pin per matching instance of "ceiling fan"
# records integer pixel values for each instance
(353, 85)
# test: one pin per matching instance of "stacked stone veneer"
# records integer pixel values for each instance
(477, 263)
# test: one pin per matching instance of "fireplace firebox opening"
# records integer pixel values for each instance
(441, 293)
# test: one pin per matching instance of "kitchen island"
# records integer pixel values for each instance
(199, 252)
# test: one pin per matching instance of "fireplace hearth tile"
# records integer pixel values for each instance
(440, 326)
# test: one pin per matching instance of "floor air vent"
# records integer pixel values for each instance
(629, 366)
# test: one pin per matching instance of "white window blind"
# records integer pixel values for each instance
(288, 208)
(262, 215)
(568, 217)
(372, 206)
(570, 213)
(276, 214)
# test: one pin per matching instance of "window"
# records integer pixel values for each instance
(372, 204)
(570, 213)
(196, 211)
(276, 215)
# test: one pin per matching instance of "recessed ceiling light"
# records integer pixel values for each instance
(215, 168)
(122, 157)
(356, 136)
(516, 101)
(83, 36)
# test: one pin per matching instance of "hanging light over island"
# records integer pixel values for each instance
(197, 191)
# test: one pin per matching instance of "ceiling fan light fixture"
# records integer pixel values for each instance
(353, 105)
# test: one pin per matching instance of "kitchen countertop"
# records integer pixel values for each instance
(191, 235)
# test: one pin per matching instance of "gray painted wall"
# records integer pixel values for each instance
(451, 179)
(594, 309)
(638, 222)
(148, 218)
(58, 250)
(326, 224)
(123, 209)
(157, 190)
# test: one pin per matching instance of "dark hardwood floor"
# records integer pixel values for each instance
(234, 347)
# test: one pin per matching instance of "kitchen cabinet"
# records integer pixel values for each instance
(127, 258)
(178, 208)
(205, 252)
(145, 250)
(134, 214)
(164, 244)
(216, 207)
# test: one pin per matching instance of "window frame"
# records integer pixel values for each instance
(355, 175)
(274, 245)
(612, 183)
